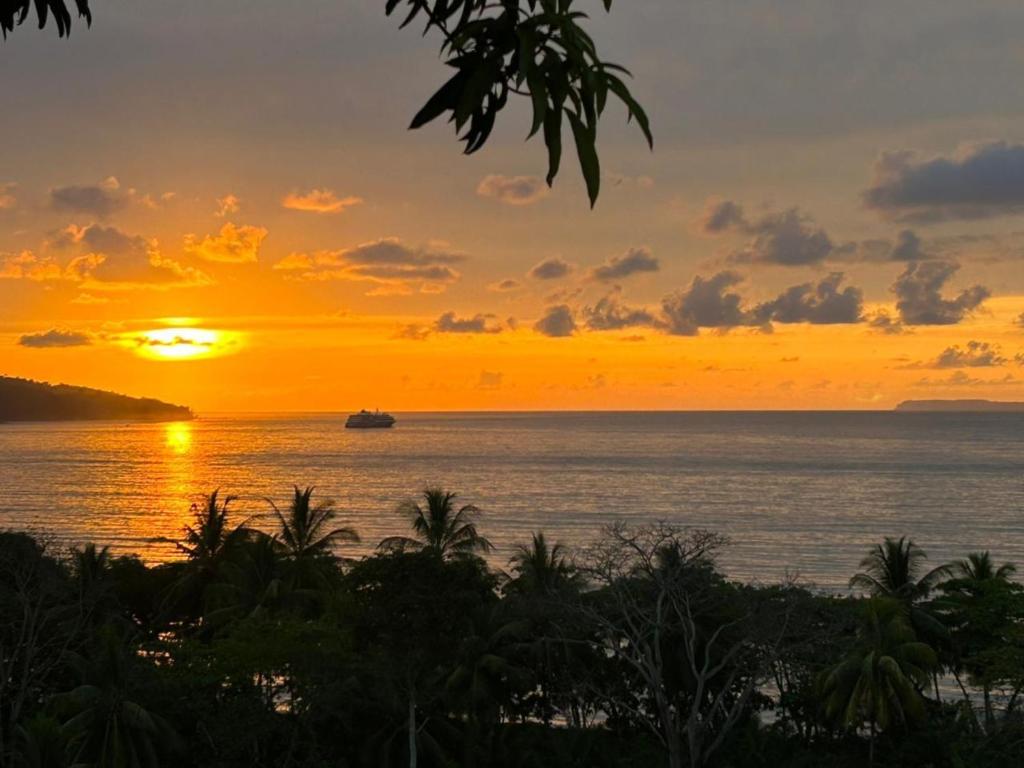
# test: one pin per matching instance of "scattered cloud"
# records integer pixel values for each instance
(707, 303)
(976, 354)
(550, 269)
(319, 201)
(503, 286)
(54, 339)
(962, 379)
(227, 205)
(557, 321)
(883, 322)
(391, 265)
(609, 314)
(919, 295)
(788, 238)
(633, 261)
(479, 323)
(822, 303)
(97, 200)
(513, 190)
(977, 181)
(28, 265)
(234, 245)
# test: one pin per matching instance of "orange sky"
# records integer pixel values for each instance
(262, 233)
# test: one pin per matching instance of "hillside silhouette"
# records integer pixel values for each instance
(27, 400)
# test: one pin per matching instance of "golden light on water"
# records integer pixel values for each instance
(178, 437)
(181, 343)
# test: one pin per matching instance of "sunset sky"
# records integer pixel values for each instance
(218, 204)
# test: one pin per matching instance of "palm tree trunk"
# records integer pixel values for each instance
(412, 726)
(871, 744)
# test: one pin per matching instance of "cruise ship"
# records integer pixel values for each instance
(368, 420)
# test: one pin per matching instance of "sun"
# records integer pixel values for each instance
(183, 343)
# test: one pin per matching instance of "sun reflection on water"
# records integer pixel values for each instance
(178, 437)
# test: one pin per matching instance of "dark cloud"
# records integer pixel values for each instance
(394, 266)
(721, 216)
(609, 314)
(54, 339)
(919, 295)
(114, 258)
(883, 322)
(978, 181)
(98, 200)
(450, 323)
(550, 269)
(821, 304)
(513, 190)
(788, 238)
(557, 321)
(963, 379)
(508, 284)
(630, 263)
(976, 354)
(707, 303)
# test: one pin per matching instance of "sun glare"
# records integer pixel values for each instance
(178, 437)
(183, 343)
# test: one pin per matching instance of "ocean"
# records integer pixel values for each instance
(798, 493)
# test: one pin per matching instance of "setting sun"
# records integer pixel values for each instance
(182, 343)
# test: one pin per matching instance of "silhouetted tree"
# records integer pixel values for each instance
(439, 527)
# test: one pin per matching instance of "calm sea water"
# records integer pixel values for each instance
(803, 492)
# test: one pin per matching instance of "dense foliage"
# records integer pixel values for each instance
(275, 648)
(497, 48)
(27, 400)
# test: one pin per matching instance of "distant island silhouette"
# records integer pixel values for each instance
(970, 406)
(27, 400)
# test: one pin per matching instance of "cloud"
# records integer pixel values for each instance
(490, 380)
(503, 286)
(449, 323)
(108, 259)
(513, 190)
(821, 304)
(413, 332)
(711, 303)
(234, 245)
(610, 314)
(962, 379)
(788, 238)
(707, 303)
(630, 263)
(557, 321)
(721, 216)
(227, 205)
(98, 200)
(7, 198)
(976, 354)
(883, 322)
(393, 266)
(55, 339)
(28, 265)
(319, 201)
(550, 269)
(977, 181)
(919, 295)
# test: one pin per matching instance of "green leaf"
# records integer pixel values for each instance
(587, 151)
(553, 141)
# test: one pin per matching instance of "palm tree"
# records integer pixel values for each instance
(541, 568)
(90, 566)
(207, 541)
(878, 681)
(439, 527)
(979, 566)
(252, 584)
(893, 569)
(307, 534)
(105, 728)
